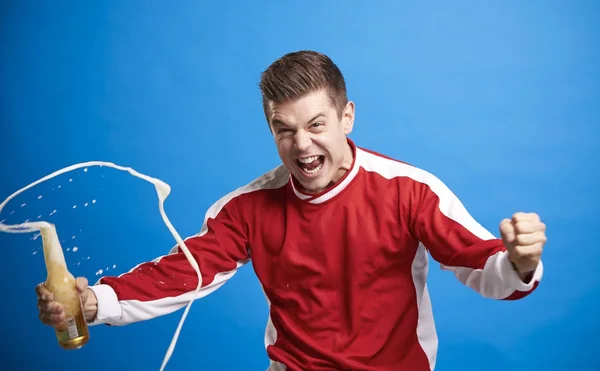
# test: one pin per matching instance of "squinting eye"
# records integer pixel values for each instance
(280, 131)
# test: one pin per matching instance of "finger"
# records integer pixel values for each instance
(528, 226)
(50, 306)
(52, 319)
(43, 292)
(40, 289)
(81, 285)
(528, 252)
(532, 217)
(528, 239)
(507, 231)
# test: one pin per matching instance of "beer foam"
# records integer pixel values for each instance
(162, 191)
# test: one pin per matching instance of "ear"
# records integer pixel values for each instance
(348, 117)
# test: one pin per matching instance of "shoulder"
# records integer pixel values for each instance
(391, 168)
(269, 181)
(227, 208)
(274, 179)
(409, 178)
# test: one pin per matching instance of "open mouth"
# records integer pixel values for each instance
(311, 165)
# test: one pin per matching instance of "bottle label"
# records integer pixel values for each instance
(72, 328)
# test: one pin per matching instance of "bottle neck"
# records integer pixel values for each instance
(53, 253)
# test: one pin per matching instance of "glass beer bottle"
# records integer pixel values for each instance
(73, 333)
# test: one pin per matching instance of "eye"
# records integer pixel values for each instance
(317, 124)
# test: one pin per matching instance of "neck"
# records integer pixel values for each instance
(345, 166)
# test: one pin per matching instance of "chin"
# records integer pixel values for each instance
(314, 185)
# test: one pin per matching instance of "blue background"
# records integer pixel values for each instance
(499, 99)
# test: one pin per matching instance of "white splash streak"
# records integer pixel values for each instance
(162, 191)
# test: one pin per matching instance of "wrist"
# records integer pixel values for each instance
(90, 307)
(525, 276)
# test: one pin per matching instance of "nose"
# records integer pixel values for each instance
(302, 140)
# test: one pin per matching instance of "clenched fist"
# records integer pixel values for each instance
(524, 237)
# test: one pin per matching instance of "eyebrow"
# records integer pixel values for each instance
(277, 122)
(318, 115)
(281, 123)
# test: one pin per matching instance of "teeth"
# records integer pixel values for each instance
(313, 171)
(308, 160)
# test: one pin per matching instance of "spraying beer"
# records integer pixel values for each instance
(73, 332)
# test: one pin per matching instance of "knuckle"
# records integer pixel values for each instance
(521, 226)
(518, 216)
(521, 239)
(540, 238)
(507, 228)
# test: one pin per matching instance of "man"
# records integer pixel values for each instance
(338, 236)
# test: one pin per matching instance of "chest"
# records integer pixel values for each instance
(324, 248)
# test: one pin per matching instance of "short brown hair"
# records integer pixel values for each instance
(299, 73)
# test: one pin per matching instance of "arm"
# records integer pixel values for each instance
(168, 283)
(461, 245)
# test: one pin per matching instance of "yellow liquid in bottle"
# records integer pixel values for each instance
(51, 240)
(73, 333)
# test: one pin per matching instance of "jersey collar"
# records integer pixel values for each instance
(335, 189)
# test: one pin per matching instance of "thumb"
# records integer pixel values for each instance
(82, 284)
(507, 232)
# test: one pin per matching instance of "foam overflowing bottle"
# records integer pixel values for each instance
(73, 333)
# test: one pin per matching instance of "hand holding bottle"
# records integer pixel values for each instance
(52, 313)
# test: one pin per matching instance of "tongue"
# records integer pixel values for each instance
(313, 165)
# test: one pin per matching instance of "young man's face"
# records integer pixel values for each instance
(311, 139)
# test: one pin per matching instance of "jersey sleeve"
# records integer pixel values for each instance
(461, 245)
(169, 282)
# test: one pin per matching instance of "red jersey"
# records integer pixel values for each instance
(344, 271)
